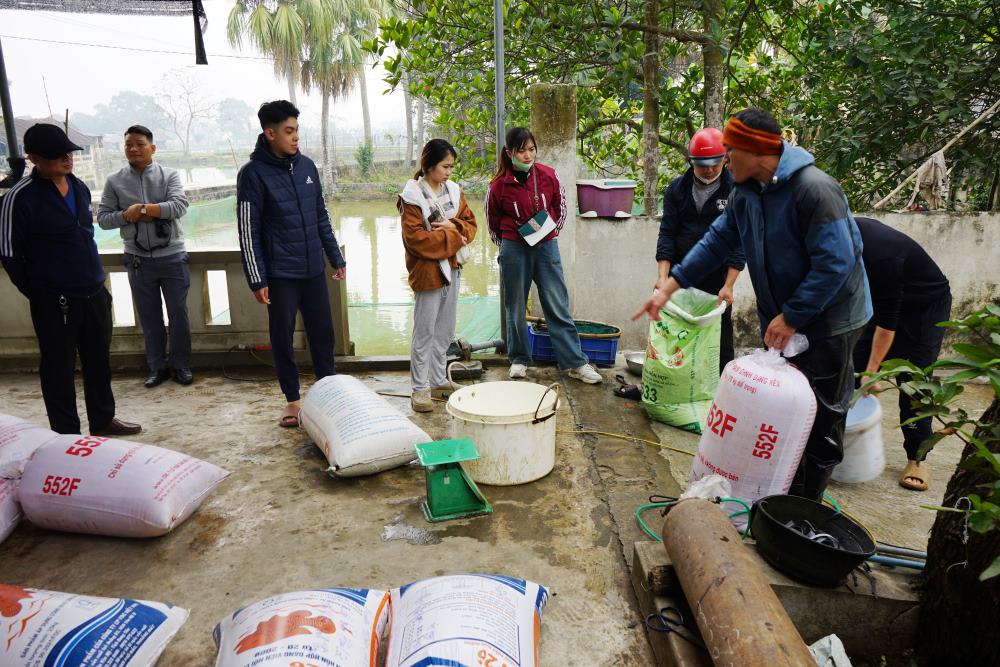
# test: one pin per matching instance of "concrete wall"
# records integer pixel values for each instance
(610, 267)
(210, 342)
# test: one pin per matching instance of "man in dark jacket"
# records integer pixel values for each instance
(803, 252)
(690, 204)
(284, 230)
(47, 247)
(910, 295)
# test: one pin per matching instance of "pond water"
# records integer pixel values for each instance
(380, 301)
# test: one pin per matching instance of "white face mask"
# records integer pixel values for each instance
(709, 181)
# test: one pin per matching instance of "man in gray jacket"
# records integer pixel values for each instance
(146, 201)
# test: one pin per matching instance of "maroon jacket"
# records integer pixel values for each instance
(509, 204)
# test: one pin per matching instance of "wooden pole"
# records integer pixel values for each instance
(986, 114)
(741, 620)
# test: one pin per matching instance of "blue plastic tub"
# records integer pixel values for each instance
(600, 348)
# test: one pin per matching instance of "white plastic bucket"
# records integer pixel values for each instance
(864, 456)
(513, 427)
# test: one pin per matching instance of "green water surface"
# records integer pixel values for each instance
(380, 300)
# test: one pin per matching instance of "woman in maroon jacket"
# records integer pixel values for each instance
(525, 209)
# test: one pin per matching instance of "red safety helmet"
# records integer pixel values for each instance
(706, 149)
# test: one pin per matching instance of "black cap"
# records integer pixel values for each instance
(48, 141)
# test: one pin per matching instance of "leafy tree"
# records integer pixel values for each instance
(880, 86)
(871, 88)
(124, 109)
(959, 614)
(237, 119)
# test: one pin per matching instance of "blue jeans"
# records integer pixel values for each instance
(520, 264)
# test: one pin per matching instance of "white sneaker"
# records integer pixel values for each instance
(586, 373)
(517, 371)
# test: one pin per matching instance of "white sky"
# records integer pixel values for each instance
(80, 77)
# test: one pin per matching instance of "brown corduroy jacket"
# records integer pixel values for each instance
(424, 249)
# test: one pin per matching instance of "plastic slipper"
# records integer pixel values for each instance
(626, 390)
(915, 477)
(289, 421)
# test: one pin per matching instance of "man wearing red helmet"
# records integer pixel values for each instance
(690, 204)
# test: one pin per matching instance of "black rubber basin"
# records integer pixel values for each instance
(787, 549)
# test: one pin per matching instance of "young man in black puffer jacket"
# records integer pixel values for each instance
(284, 232)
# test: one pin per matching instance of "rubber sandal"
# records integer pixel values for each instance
(914, 471)
(289, 421)
(626, 390)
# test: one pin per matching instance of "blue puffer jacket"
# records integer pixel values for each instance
(284, 228)
(802, 246)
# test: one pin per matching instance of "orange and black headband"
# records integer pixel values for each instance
(738, 135)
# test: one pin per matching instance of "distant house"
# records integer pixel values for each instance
(91, 144)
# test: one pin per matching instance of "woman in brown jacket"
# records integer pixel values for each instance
(437, 226)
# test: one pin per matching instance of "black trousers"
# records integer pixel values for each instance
(288, 297)
(829, 367)
(86, 329)
(918, 340)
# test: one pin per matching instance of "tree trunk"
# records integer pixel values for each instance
(713, 64)
(365, 114)
(408, 105)
(960, 615)
(421, 111)
(324, 128)
(290, 77)
(651, 110)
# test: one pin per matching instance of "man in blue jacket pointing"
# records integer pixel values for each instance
(803, 253)
(284, 232)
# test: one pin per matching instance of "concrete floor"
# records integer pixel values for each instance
(280, 523)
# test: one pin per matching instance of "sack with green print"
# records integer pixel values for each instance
(681, 370)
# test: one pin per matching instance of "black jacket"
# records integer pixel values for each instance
(683, 225)
(43, 247)
(283, 225)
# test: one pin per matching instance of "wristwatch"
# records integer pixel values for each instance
(142, 209)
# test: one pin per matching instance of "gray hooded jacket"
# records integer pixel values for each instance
(156, 184)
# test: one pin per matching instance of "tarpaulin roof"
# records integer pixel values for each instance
(192, 8)
(155, 7)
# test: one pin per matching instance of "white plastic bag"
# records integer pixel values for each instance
(19, 439)
(358, 431)
(466, 619)
(757, 427)
(333, 626)
(45, 628)
(88, 484)
(10, 509)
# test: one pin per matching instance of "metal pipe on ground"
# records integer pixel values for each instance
(740, 618)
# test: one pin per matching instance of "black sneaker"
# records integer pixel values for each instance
(183, 376)
(156, 378)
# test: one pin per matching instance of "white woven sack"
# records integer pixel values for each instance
(359, 432)
(46, 628)
(757, 427)
(88, 484)
(332, 626)
(466, 619)
(10, 509)
(19, 439)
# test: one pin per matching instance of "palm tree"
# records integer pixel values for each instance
(329, 67)
(362, 25)
(277, 28)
